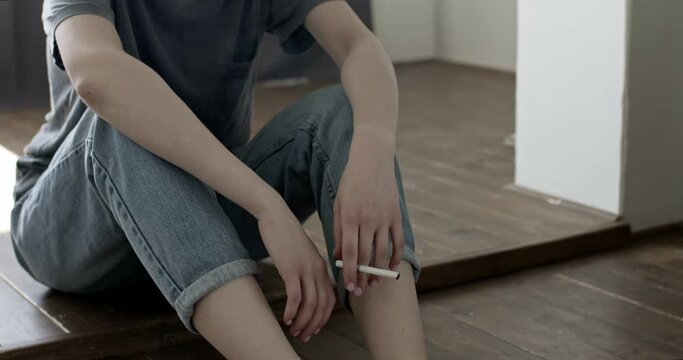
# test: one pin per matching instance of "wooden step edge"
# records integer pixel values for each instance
(657, 230)
(470, 267)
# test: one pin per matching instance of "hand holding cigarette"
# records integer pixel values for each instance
(373, 270)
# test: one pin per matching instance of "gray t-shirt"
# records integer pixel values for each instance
(204, 49)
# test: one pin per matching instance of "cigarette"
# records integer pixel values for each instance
(373, 270)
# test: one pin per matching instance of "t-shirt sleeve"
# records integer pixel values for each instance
(56, 11)
(286, 20)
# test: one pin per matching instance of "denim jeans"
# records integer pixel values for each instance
(108, 215)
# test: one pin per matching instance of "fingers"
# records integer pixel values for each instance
(337, 235)
(372, 278)
(364, 252)
(398, 241)
(307, 307)
(350, 254)
(293, 288)
(330, 306)
(321, 313)
(380, 260)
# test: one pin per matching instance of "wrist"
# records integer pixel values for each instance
(266, 202)
(374, 138)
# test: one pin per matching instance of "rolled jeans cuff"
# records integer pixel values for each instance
(210, 281)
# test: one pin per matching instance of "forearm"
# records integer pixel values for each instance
(370, 84)
(135, 100)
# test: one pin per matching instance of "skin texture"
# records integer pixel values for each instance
(247, 331)
(391, 328)
(135, 100)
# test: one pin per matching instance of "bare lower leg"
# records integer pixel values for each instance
(389, 317)
(237, 320)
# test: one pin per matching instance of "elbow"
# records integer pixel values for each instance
(88, 88)
(90, 76)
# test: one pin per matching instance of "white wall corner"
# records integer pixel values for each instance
(477, 32)
(405, 28)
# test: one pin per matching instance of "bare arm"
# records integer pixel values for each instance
(135, 100)
(367, 73)
(367, 206)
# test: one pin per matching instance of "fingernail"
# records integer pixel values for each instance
(297, 333)
(373, 283)
(358, 291)
(317, 331)
(289, 322)
(306, 339)
(350, 286)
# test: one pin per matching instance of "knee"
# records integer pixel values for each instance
(335, 114)
(54, 275)
(339, 105)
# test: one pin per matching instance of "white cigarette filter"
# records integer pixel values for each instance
(373, 270)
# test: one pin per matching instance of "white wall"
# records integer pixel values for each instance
(405, 28)
(570, 88)
(653, 187)
(8, 165)
(477, 32)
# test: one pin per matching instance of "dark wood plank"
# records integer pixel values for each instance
(135, 339)
(665, 251)
(496, 262)
(629, 284)
(198, 349)
(630, 266)
(508, 309)
(514, 322)
(82, 313)
(442, 176)
(591, 302)
(21, 321)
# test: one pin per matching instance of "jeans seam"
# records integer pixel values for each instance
(327, 177)
(77, 147)
(282, 142)
(80, 146)
(274, 149)
(146, 246)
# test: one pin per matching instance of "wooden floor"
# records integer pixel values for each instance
(468, 219)
(623, 304)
